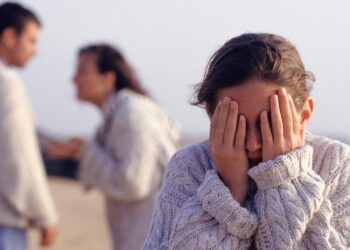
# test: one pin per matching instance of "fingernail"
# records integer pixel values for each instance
(233, 104)
(283, 91)
(226, 100)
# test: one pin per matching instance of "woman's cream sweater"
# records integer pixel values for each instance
(126, 162)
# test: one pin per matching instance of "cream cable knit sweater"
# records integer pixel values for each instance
(302, 201)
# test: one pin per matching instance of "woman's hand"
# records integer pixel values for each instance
(286, 134)
(61, 149)
(227, 145)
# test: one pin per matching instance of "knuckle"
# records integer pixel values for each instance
(290, 145)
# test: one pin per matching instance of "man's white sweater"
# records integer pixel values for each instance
(24, 196)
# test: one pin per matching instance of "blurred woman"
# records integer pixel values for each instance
(126, 159)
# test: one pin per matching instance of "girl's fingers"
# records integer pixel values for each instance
(222, 120)
(294, 115)
(265, 129)
(276, 119)
(286, 113)
(214, 120)
(241, 132)
(231, 125)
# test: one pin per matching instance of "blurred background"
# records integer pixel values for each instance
(169, 44)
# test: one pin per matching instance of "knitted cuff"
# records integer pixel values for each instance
(217, 200)
(283, 168)
(50, 221)
(86, 174)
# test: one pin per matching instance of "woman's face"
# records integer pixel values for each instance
(92, 86)
(253, 98)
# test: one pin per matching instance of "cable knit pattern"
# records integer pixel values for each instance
(289, 193)
(204, 214)
(216, 199)
(302, 202)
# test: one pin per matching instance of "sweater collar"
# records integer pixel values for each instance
(113, 102)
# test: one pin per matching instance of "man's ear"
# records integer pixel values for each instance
(306, 112)
(9, 37)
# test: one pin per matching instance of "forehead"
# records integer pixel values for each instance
(30, 28)
(87, 58)
(251, 96)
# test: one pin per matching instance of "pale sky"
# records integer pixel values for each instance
(169, 44)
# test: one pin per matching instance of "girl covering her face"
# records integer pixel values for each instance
(260, 181)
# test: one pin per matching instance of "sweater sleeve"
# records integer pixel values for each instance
(330, 226)
(191, 215)
(23, 184)
(127, 168)
(289, 197)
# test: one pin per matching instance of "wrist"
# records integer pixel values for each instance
(239, 192)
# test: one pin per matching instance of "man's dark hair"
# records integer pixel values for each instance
(15, 16)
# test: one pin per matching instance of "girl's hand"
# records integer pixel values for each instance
(286, 134)
(227, 145)
(61, 149)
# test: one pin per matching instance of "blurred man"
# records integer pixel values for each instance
(25, 200)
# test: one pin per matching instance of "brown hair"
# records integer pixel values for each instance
(259, 56)
(16, 16)
(110, 59)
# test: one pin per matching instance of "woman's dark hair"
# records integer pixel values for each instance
(15, 16)
(258, 56)
(110, 59)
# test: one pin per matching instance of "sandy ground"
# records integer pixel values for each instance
(82, 223)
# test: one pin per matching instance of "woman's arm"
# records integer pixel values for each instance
(198, 214)
(129, 170)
